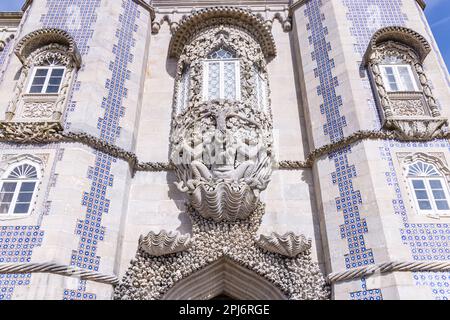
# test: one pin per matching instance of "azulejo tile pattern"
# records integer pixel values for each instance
(426, 241)
(77, 17)
(349, 200)
(366, 17)
(16, 246)
(95, 200)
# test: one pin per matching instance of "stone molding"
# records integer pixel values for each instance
(388, 267)
(189, 26)
(59, 269)
(164, 243)
(289, 244)
(47, 133)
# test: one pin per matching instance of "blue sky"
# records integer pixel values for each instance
(437, 11)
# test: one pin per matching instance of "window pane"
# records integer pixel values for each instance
(442, 205)
(38, 81)
(52, 89)
(41, 73)
(9, 187)
(405, 77)
(54, 81)
(6, 197)
(230, 80)
(418, 184)
(21, 208)
(439, 194)
(27, 186)
(421, 195)
(25, 197)
(435, 184)
(4, 208)
(57, 72)
(424, 205)
(213, 81)
(390, 77)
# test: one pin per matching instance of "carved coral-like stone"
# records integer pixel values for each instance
(164, 243)
(289, 245)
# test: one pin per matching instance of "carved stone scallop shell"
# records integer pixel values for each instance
(289, 244)
(164, 243)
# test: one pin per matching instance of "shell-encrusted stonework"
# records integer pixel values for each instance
(150, 277)
(289, 244)
(164, 243)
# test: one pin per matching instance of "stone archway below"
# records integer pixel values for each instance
(224, 278)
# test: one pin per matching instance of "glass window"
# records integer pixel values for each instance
(17, 191)
(430, 188)
(183, 91)
(46, 80)
(221, 78)
(261, 90)
(399, 78)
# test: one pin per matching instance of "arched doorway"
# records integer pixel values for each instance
(224, 278)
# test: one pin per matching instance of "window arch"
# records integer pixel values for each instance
(18, 190)
(221, 76)
(429, 188)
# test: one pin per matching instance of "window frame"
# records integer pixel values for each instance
(19, 182)
(47, 80)
(395, 68)
(237, 72)
(434, 211)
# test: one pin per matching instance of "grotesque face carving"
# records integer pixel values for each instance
(222, 148)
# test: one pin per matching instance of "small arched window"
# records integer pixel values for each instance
(430, 188)
(221, 77)
(18, 190)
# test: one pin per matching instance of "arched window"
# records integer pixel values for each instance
(221, 78)
(17, 190)
(430, 188)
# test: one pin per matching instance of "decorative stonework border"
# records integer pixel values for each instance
(59, 269)
(46, 133)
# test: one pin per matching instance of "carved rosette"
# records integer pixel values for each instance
(222, 149)
(164, 243)
(412, 115)
(289, 244)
